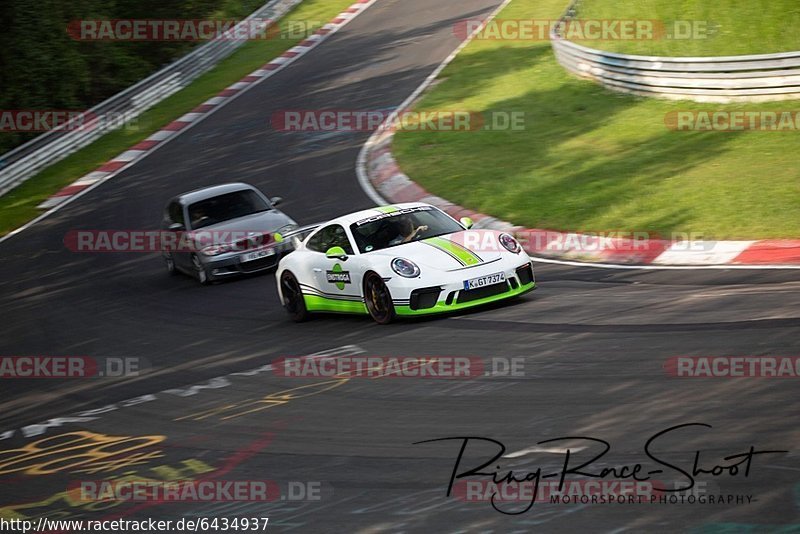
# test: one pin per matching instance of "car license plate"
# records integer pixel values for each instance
(483, 281)
(258, 254)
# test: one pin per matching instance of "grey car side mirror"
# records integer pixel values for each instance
(276, 200)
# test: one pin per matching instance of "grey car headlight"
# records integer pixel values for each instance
(216, 250)
(283, 230)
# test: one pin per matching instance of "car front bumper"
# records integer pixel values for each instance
(231, 264)
(452, 296)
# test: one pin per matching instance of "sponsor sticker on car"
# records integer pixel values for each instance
(338, 277)
(483, 281)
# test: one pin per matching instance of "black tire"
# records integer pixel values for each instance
(200, 272)
(169, 263)
(293, 298)
(378, 299)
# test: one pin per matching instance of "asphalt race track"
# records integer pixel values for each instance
(594, 344)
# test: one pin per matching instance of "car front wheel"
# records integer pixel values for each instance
(200, 271)
(378, 299)
(169, 263)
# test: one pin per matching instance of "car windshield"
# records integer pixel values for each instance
(402, 226)
(226, 207)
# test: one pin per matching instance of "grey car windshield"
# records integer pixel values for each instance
(225, 208)
(401, 227)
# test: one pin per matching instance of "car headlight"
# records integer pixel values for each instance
(282, 231)
(405, 268)
(510, 244)
(216, 250)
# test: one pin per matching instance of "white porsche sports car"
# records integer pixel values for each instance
(402, 260)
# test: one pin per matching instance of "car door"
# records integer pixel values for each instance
(333, 276)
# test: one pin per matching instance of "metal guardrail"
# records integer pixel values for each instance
(724, 79)
(26, 160)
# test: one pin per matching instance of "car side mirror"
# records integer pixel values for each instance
(275, 200)
(176, 227)
(467, 222)
(336, 253)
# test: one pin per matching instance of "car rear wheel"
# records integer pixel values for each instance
(293, 298)
(378, 299)
(200, 271)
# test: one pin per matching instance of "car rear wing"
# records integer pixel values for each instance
(300, 234)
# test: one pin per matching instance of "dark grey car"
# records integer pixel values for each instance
(222, 231)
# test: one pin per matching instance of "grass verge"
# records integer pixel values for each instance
(19, 205)
(593, 160)
(702, 27)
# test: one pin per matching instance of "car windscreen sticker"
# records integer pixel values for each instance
(397, 213)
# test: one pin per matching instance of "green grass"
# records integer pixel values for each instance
(19, 205)
(736, 26)
(593, 160)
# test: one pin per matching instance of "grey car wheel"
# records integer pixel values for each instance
(199, 271)
(169, 263)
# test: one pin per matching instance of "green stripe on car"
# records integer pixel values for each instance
(315, 303)
(464, 255)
